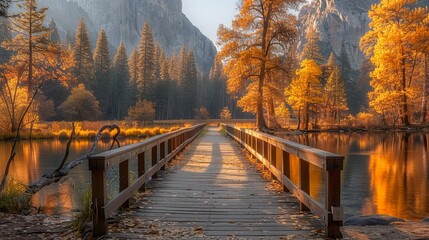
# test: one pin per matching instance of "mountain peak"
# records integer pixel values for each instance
(123, 21)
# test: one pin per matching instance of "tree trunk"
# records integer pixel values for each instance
(30, 57)
(306, 116)
(272, 119)
(404, 98)
(425, 91)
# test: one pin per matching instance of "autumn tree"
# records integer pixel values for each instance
(31, 42)
(81, 105)
(102, 84)
(225, 113)
(146, 63)
(304, 92)
(142, 112)
(13, 96)
(121, 78)
(395, 50)
(82, 55)
(250, 49)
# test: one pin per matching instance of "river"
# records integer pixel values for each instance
(384, 173)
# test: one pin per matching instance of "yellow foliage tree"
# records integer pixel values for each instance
(304, 92)
(252, 49)
(394, 43)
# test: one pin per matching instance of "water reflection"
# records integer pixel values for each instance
(384, 173)
(38, 157)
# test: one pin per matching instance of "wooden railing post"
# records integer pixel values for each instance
(124, 180)
(99, 199)
(273, 150)
(286, 168)
(273, 159)
(304, 180)
(154, 156)
(333, 200)
(162, 154)
(141, 168)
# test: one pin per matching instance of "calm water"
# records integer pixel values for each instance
(384, 173)
(38, 157)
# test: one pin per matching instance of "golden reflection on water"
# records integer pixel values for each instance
(35, 158)
(387, 173)
(398, 177)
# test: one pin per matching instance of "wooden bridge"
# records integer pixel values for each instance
(213, 191)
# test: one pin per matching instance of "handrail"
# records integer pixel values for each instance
(274, 153)
(162, 148)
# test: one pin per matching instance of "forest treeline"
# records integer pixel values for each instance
(280, 81)
(259, 70)
(76, 82)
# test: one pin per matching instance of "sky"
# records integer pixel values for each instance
(206, 15)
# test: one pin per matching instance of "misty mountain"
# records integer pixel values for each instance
(123, 20)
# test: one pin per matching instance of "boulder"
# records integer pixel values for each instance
(371, 220)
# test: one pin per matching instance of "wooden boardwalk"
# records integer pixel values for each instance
(213, 192)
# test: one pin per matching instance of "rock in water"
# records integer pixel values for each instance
(371, 220)
(123, 20)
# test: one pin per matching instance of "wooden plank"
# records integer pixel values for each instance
(219, 191)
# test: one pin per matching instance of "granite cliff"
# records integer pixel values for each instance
(122, 20)
(340, 23)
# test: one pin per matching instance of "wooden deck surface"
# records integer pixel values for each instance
(213, 192)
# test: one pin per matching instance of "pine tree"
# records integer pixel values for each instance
(4, 5)
(55, 36)
(350, 85)
(132, 84)
(311, 49)
(82, 55)
(5, 35)
(162, 84)
(102, 85)
(146, 64)
(31, 42)
(190, 86)
(334, 94)
(120, 83)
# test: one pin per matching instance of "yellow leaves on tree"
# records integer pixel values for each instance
(253, 47)
(396, 43)
(304, 92)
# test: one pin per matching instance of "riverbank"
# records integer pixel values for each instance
(88, 130)
(395, 230)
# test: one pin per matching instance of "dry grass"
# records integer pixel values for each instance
(14, 199)
(88, 130)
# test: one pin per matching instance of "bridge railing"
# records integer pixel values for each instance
(162, 148)
(275, 153)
